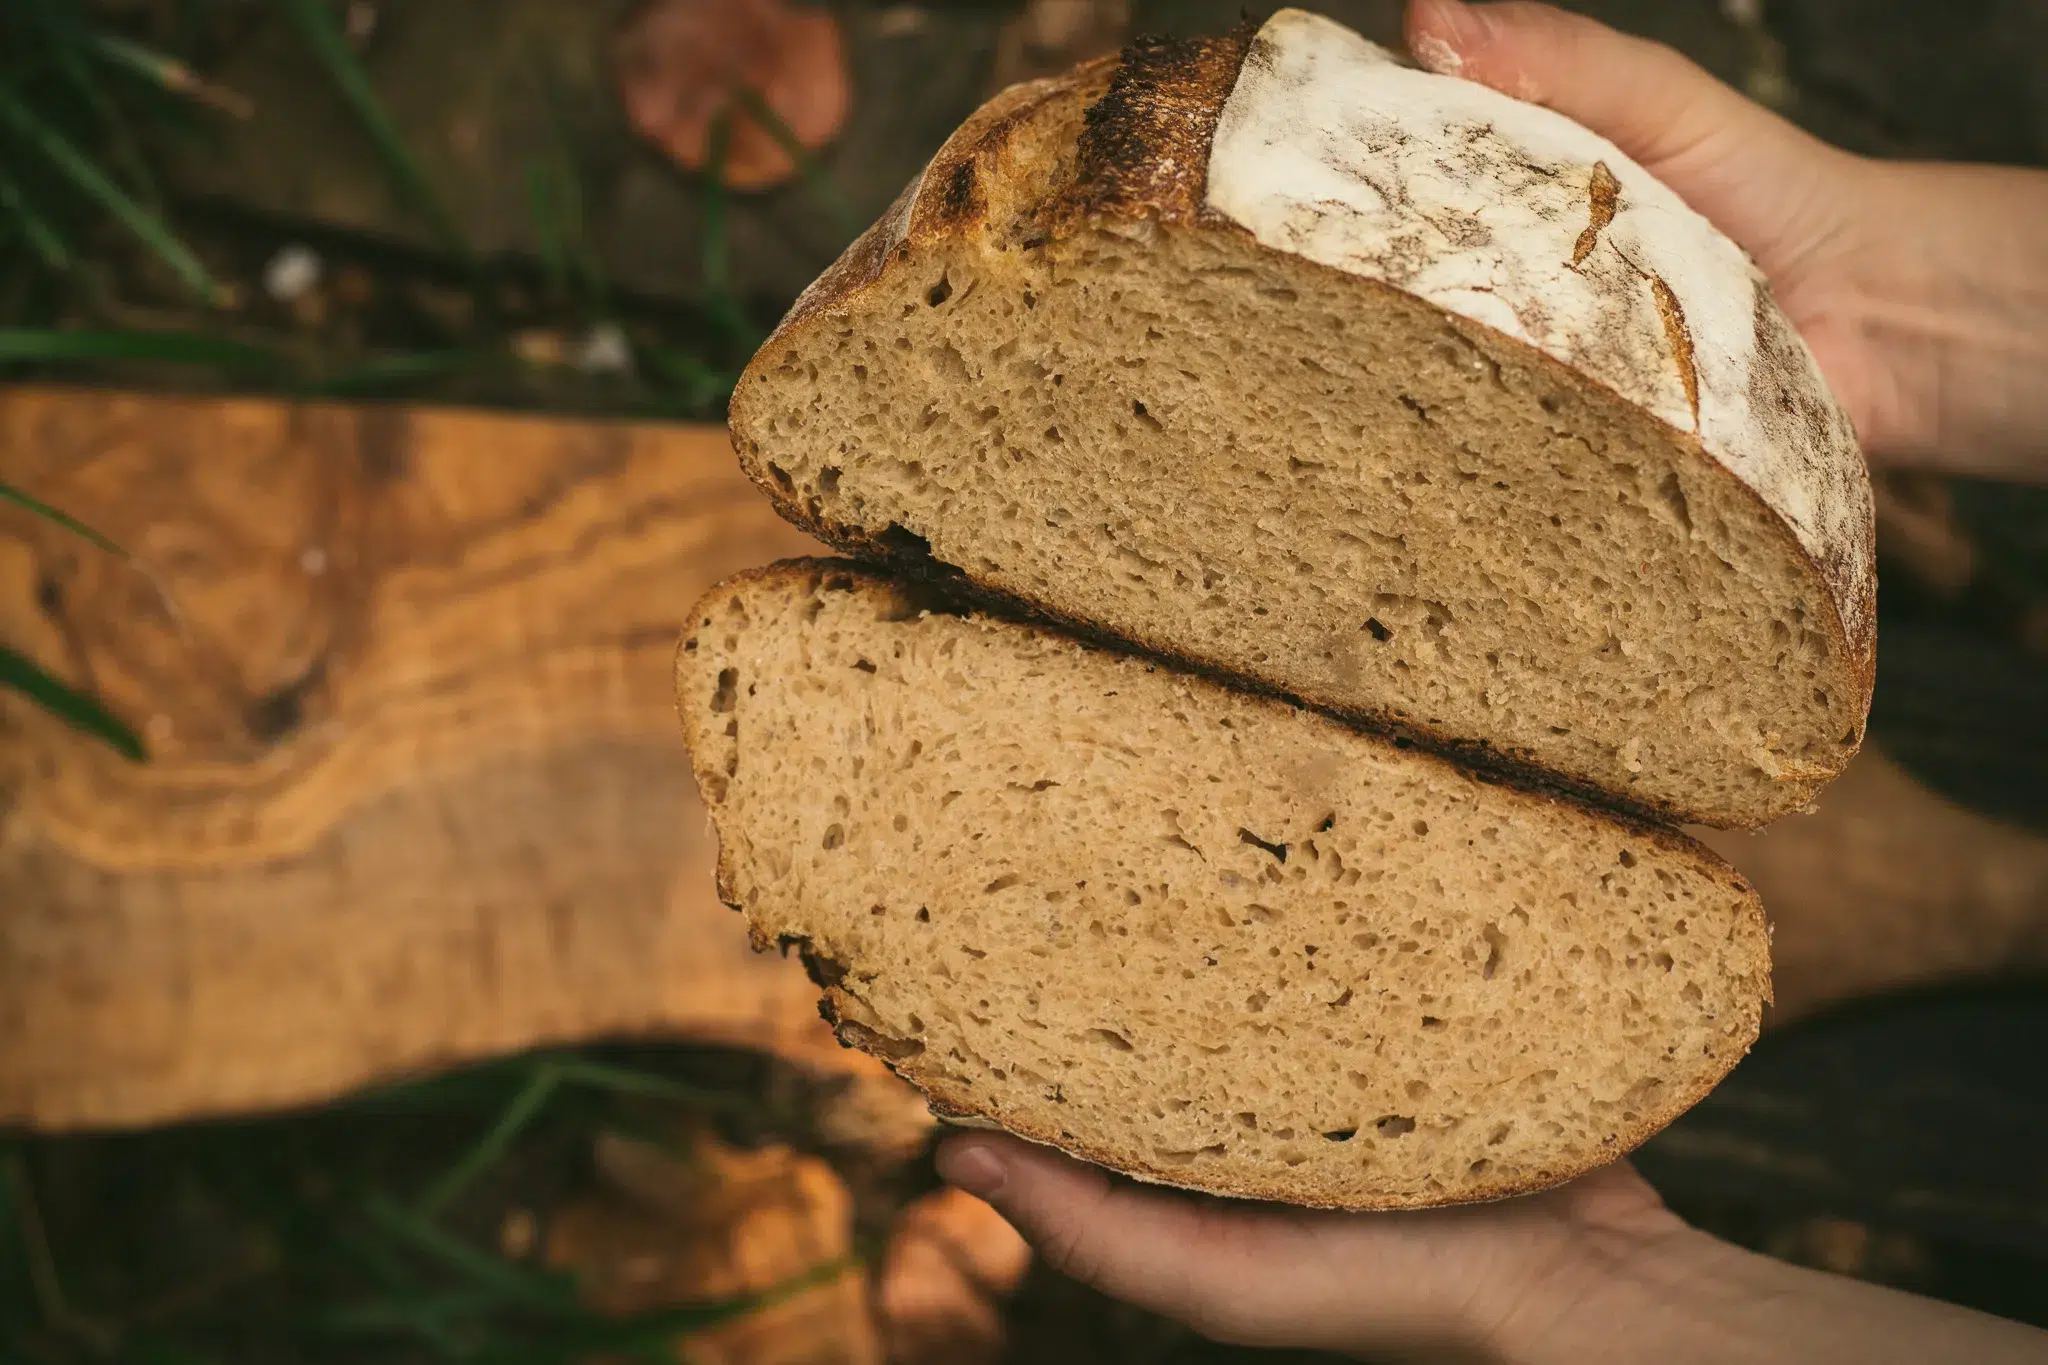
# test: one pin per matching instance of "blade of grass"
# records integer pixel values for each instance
(547, 1075)
(643, 1333)
(36, 506)
(698, 1317)
(620, 1080)
(717, 262)
(317, 27)
(547, 225)
(170, 74)
(43, 239)
(497, 1140)
(582, 257)
(807, 166)
(9, 493)
(56, 1307)
(480, 1269)
(16, 1287)
(24, 675)
(701, 385)
(472, 1087)
(79, 169)
(49, 345)
(429, 1318)
(64, 27)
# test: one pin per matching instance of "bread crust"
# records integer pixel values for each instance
(956, 1104)
(1141, 163)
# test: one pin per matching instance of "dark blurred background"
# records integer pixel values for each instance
(362, 993)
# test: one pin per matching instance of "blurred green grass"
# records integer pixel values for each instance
(366, 1230)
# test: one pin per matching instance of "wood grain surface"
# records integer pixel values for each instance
(418, 792)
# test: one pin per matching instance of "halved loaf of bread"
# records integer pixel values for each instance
(1369, 386)
(1204, 937)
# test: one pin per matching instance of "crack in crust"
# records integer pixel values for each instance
(1603, 196)
(1680, 337)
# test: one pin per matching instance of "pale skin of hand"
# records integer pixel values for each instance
(1922, 290)
(1595, 1272)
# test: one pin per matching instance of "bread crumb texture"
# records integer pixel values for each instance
(1410, 401)
(1203, 937)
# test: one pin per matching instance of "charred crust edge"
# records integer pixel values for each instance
(1144, 146)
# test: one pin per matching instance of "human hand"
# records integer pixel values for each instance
(1596, 1272)
(1920, 288)
(1456, 1284)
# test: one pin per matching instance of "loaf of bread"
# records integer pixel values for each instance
(1206, 937)
(1365, 386)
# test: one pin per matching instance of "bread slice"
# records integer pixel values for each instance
(1204, 937)
(1369, 386)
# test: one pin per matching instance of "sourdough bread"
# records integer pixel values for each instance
(1368, 386)
(1205, 937)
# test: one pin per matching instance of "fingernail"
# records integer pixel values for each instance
(972, 1167)
(1453, 30)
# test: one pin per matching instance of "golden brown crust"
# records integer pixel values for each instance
(1812, 424)
(947, 197)
(950, 1101)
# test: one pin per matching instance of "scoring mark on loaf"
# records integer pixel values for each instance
(1603, 194)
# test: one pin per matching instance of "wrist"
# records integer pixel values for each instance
(1607, 1294)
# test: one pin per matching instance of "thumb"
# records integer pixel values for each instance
(1642, 96)
(1237, 1273)
(1132, 1244)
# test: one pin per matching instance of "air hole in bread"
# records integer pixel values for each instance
(1279, 851)
(727, 691)
(1496, 950)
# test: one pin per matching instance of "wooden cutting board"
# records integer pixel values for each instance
(418, 793)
